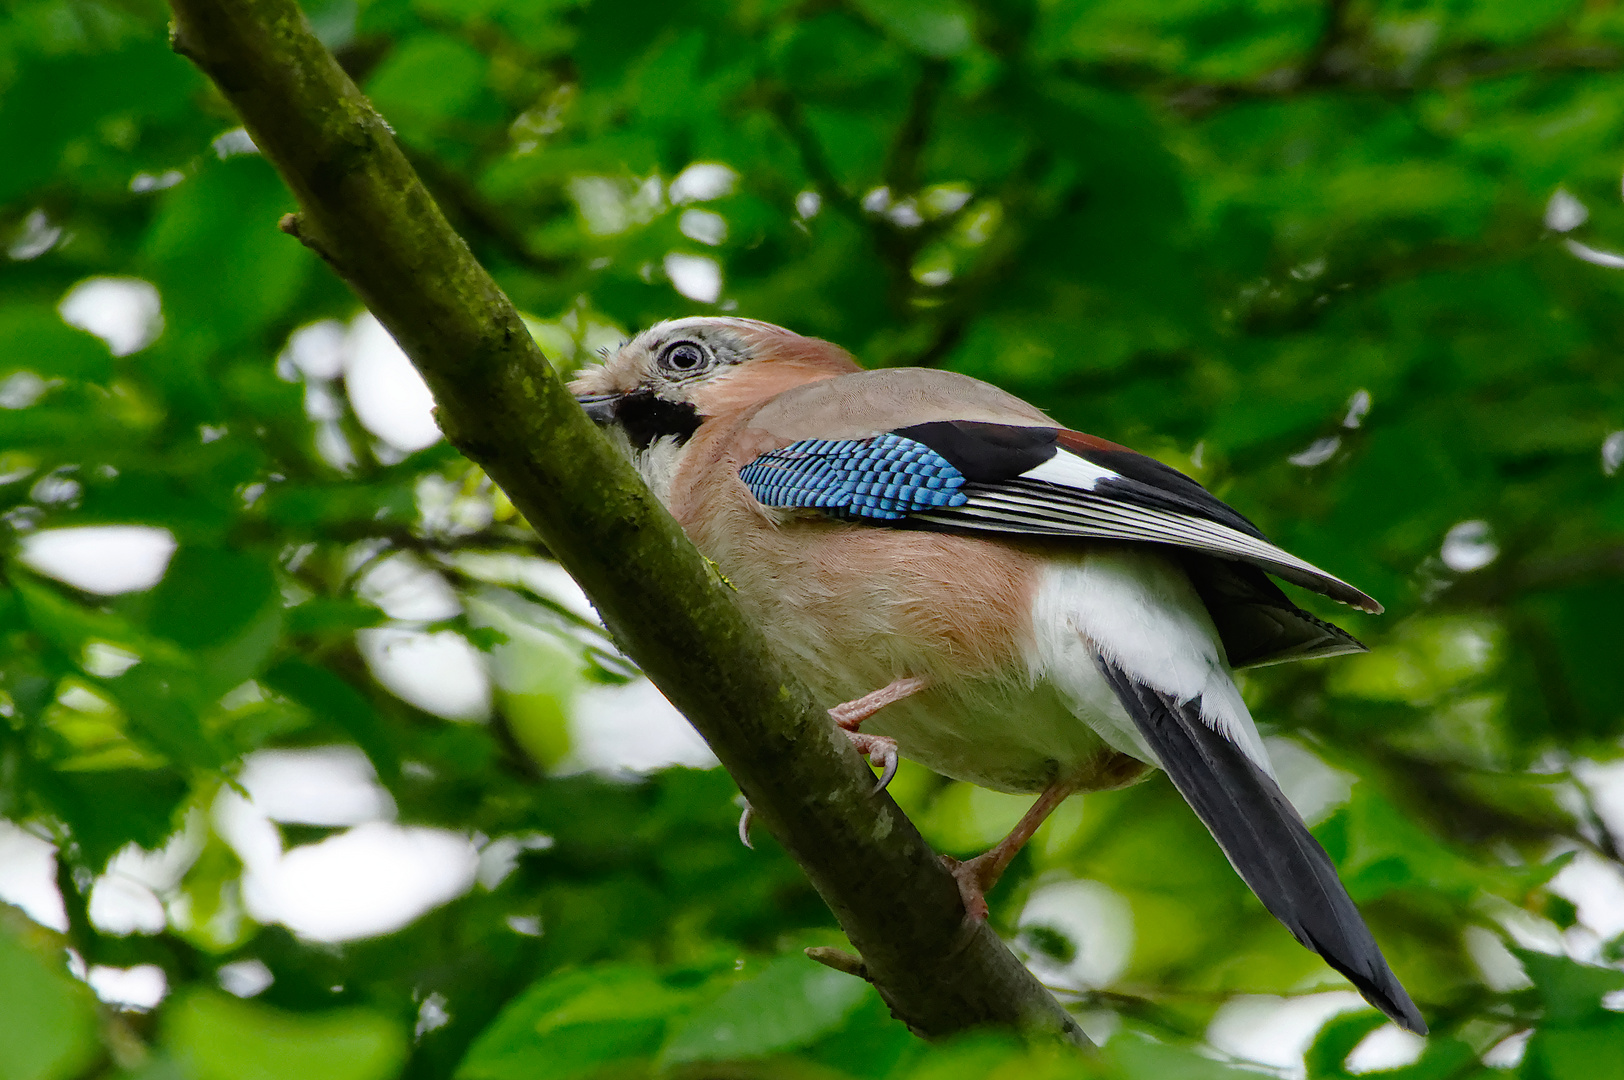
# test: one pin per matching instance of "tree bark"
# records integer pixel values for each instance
(499, 402)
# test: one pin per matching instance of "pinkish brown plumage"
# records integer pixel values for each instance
(970, 584)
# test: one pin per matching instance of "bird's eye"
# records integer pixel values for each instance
(683, 357)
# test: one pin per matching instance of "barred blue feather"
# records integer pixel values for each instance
(886, 477)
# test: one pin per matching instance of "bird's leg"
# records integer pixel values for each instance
(877, 748)
(977, 876)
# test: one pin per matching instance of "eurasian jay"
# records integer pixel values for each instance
(1007, 602)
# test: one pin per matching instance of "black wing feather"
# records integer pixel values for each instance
(1265, 840)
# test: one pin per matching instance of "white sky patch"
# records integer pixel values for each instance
(1596, 888)
(324, 785)
(500, 857)
(1605, 783)
(1358, 409)
(245, 978)
(1317, 453)
(1275, 1031)
(1498, 965)
(143, 182)
(317, 349)
(906, 214)
(697, 277)
(406, 589)
(28, 876)
(103, 559)
(234, 142)
(1564, 213)
(631, 728)
(1314, 787)
(138, 988)
(34, 237)
(128, 898)
(807, 205)
(542, 576)
(21, 389)
(370, 880)
(1508, 1052)
(703, 226)
(120, 906)
(124, 312)
(431, 1015)
(440, 672)
(703, 181)
(1469, 546)
(388, 395)
(1388, 1047)
(1612, 452)
(1095, 919)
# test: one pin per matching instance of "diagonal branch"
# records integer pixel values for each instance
(501, 404)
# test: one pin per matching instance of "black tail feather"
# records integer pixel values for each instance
(1265, 839)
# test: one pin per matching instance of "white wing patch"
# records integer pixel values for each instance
(1068, 470)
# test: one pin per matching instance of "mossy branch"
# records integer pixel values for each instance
(499, 402)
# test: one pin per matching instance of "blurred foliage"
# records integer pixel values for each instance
(1346, 262)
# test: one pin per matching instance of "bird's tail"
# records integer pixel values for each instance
(1265, 839)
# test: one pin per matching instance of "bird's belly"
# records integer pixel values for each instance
(1005, 734)
(851, 608)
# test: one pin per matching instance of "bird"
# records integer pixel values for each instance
(986, 592)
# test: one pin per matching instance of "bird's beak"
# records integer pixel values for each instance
(599, 407)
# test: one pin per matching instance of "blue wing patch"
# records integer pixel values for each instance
(887, 477)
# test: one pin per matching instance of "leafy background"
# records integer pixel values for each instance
(313, 765)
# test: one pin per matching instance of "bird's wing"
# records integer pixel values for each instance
(1264, 838)
(1023, 478)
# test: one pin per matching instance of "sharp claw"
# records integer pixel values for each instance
(888, 758)
(744, 826)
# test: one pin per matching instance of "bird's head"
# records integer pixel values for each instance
(672, 377)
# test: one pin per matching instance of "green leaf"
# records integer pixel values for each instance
(107, 809)
(162, 706)
(225, 216)
(209, 595)
(573, 1023)
(1138, 1058)
(1336, 1040)
(34, 338)
(225, 606)
(332, 699)
(1591, 1052)
(937, 29)
(428, 78)
(1572, 991)
(790, 1004)
(47, 1020)
(220, 1038)
(55, 100)
(70, 626)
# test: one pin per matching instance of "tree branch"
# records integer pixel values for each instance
(504, 407)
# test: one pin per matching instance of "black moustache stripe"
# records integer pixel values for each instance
(645, 417)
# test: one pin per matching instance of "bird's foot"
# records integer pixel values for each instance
(747, 816)
(880, 751)
(975, 876)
